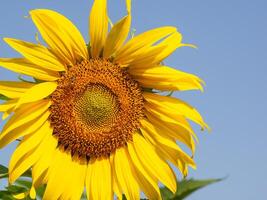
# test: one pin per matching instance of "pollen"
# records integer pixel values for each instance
(95, 109)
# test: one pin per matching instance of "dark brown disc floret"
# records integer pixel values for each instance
(95, 109)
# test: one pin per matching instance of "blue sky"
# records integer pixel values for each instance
(231, 58)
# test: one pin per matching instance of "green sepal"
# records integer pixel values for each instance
(4, 98)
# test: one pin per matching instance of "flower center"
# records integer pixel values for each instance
(95, 109)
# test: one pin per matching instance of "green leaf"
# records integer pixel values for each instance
(28, 173)
(15, 189)
(20, 186)
(40, 192)
(132, 33)
(24, 183)
(20, 77)
(170, 94)
(38, 80)
(4, 98)
(3, 171)
(6, 195)
(84, 196)
(186, 188)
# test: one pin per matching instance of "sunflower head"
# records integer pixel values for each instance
(96, 108)
(97, 115)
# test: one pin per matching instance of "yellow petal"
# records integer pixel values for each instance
(168, 45)
(27, 161)
(128, 5)
(21, 195)
(163, 142)
(66, 178)
(13, 89)
(125, 175)
(25, 114)
(74, 184)
(167, 117)
(117, 36)
(61, 35)
(145, 179)
(37, 54)
(23, 66)
(172, 43)
(7, 114)
(99, 188)
(118, 33)
(32, 193)
(183, 168)
(39, 169)
(165, 78)
(175, 107)
(98, 26)
(37, 92)
(28, 143)
(8, 105)
(173, 130)
(116, 188)
(23, 130)
(148, 55)
(137, 45)
(153, 163)
(57, 175)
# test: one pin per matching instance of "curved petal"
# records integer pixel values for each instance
(61, 35)
(139, 44)
(168, 45)
(76, 175)
(147, 57)
(25, 114)
(115, 184)
(125, 175)
(37, 54)
(8, 105)
(173, 130)
(175, 106)
(7, 108)
(167, 117)
(163, 142)
(153, 163)
(99, 188)
(23, 130)
(147, 181)
(98, 24)
(118, 34)
(57, 175)
(28, 160)
(29, 143)
(166, 78)
(40, 168)
(14, 89)
(23, 66)
(170, 154)
(37, 92)
(65, 177)
(172, 42)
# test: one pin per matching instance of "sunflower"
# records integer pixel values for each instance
(95, 117)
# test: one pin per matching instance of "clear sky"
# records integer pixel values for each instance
(231, 58)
